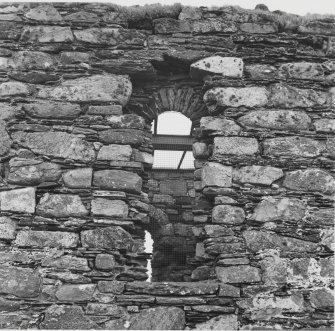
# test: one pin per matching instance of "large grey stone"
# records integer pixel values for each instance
(32, 238)
(51, 109)
(322, 298)
(61, 205)
(216, 174)
(111, 286)
(75, 293)
(13, 89)
(276, 119)
(285, 209)
(78, 178)
(99, 88)
(18, 200)
(105, 262)
(117, 180)
(67, 262)
(123, 136)
(47, 34)
(219, 126)
(274, 269)
(21, 282)
(222, 322)
(214, 230)
(7, 228)
(234, 146)
(6, 142)
(106, 207)
(259, 240)
(31, 60)
(261, 71)
(302, 70)
(107, 238)
(325, 125)
(45, 13)
(310, 180)
(317, 27)
(258, 28)
(238, 274)
(56, 144)
(226, 214)
(257, 174)
(115, 152)
(127, 121)
(101, 309)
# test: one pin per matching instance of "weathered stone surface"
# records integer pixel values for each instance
(75, 293)
(78, 178)
(322, 298)
(31, 60)
(234, 146)
(7, 228)
(105, 110)
(219, 126)
(226, 214)
(257, 175)
(13, 89)
(4, 138)
(302, 70)
(261, 71)
(214, 230)
(117, 180)
(115, 152)
(200, 150)
(219, 65)
(100, 88)
(292, 146)
(50, 109)
(170, 25)
(222, 322)
(67, 262)
(285, 209)
(291, 97)
(259, 240)
(128, 121)
(58, 317)
(112, 310)
(258, 28)
(61, 205)
(21, 282)
(19, 200)
(105, 261)
(34, 77)
(56, 144)
(213, 26)
(312, 180)
(216, 174)
(31, 238)
(325, 125)
(122, 136)
(107, 238)
(112, 208)
(236, 97)
(44, 12)
(160, 318)
(276, 119)
(274, 269)
(111, 286)
(227, 290)
(47, 34)
(32, 171)
(238, 274)
(317, 27)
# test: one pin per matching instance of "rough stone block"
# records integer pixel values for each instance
(322, 298)
(7, 228)
(214, 230)
(170, 25)
(18, 200)
(227, 290)
(106, 207)
(61, 205)
(257, 175)
(78, 178)
(45, 13)
(226, 214)
(261, 71)
(100, 309)
(222, 322)
(317, 28)
(6, 142)
(216, 174)
(122, 136)
(234, 146)
(50, 109)
(13, 89)
(258, 28)
(200, 150)
(47, 34)
(105, 110)
(111, 286)
(75, 293)
(105, 262)
(302, 70)
(115, 152)
(238, 274)
(219, 126)
(325, 125)
(31, 60)
(213, 26)
(67, 262)
(128, 121)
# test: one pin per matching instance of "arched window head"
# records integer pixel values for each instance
(172, 123)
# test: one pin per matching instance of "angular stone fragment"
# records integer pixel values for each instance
(117, 180)
(274, 269)
(7, 228)
(115, 152)
(216, 174)
(238, 274)
(47, 34)
(31, 60)
(258, 28)
(112, 208)
(32, 171)
(18, 200)
(226, 214)
(6, 142)
(170, 25)
(310, 180)
(317, 28)
(234, 146)
(46, 239)
(227, 290)
(111, 310)
(259, 240)
(261, 71)
(99, 88)
(213, 26)
(325, 125)
(322, 298)
(57, 144)
(105, 110)
(75, 293)
(59, 317)
(78, 178)
(292, 97)
(257, 175)
(44, 12)
(107, 238)
(213, 230)
(67, 262)
(122, 136)
(276, 119)
(236, 97)
(292, 146)
(225, 66)
(302, 70)
(21, 282)
(12, 89)
(285, 209)
(50, 109)
(222, 322)
(219, 126)
(61, 205)
(111, 286)
(128, 121)
(105, 262)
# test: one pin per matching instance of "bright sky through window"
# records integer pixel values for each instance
(172, 122)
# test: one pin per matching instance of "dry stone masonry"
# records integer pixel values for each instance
(80, 85)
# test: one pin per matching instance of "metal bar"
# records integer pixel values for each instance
(181, 160)
(172, 142)
(155, 125)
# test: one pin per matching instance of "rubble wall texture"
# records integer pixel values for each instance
(79, 87)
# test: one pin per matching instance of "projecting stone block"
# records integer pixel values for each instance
(19, 200)
(7, 228)
(117, 180)
(312, 180)
(259, 240)
(238, 274)
(12, 89)
(302, 70)
(234, 146)
(100, 88)
(112, 208)
(47, 34)
(61, 205)
(50, 109)
(325, 125)
(216, 174)
(78, 178)
(75, 293)
(219, 126)
(225, 66)
(57, 144)
(46, 239)
(222, 322)
(44, 12)
(258, 28)
(115, 152)
(276, 119)
(257, 175)
(67, 262)
(226, 214)
(105, 262)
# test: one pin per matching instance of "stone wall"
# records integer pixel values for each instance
(78, 92)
